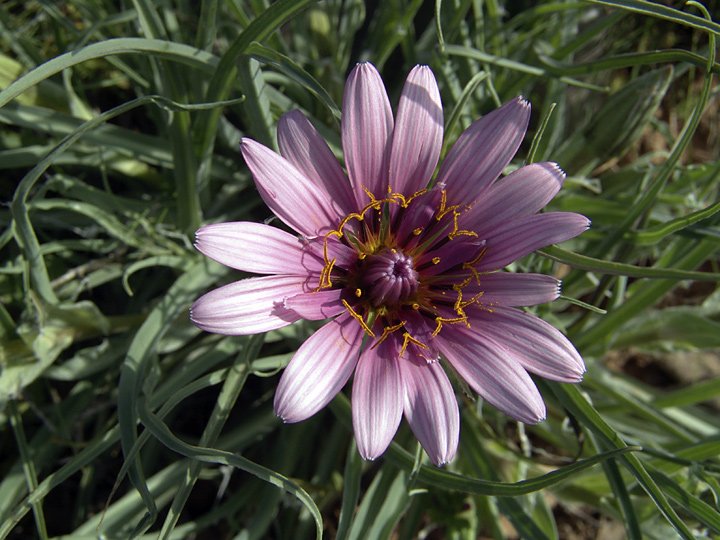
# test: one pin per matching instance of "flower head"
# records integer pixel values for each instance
(406, 268)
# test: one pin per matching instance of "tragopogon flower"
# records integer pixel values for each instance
(406, 268)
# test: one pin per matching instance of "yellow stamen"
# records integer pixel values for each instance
(358, 293)
(436, 260)
(387, 331)
(409, 339)
(456, 231)
(418, 231)
(358, 318)
(441, 320)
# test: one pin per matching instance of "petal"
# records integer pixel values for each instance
(521, 193)
(538, 346)
(291, 196)
(377, 399)
(431, 408)
(367, 125)
(257, 248)
(317, 305)
(514, 239)
(510, 289)
(483, 151)
(492, 373)
(318, 371)
(304, 147)
(248, 306)
(418, 133)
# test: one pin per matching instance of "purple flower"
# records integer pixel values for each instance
(405, 267)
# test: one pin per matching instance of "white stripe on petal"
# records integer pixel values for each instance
(431, 408)
(318, 371)
(304, 147)
(367, 125)
(257, 248)
(482, 152)
(514, 239)
(291, 196)
(521, 193)
(418, 133)
(485, 365)
(539, 347)
(249, 306)
(377, 398)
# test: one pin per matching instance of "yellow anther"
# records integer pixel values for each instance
(441, 320)
(358, 318)
(407, 338)
(358, 293)
(418, 231)
(324, 281)
(387, 331)
(442, 210)
(436, 260)
(456, 231)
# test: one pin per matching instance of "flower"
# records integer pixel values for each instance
(406, 268)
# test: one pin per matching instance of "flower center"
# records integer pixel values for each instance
(389, 277)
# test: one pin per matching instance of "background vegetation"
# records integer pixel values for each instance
(120, 129)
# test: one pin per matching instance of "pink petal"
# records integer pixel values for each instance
(317, 305)
(515, 290)
(257, 248)
(249, 306)
(291, 196)
(483, 151)
(318, 371)
(514, 239)
(367, 125)
(418, 133)
(377, 399)
(304, 147)
(485, 365)
(536, 345)
(521, 193)
(431, 408)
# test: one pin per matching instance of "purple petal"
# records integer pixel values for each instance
(485, 365)
(521, 193)
(292, 197)
(249, 306)
(514, 290)
(418, 133)
(431, 408)
(367, 125)
(536, 345)
(514, 239)
(257, 248)
(317, 305)
(304, 147)
(483, 151)
(377, 399)
(318, 371)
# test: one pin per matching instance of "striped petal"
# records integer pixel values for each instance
(377, 398)
(317, 305)
(304, 147)
(536, 345)
(418, 133)
(514, 290)
(292, 197)
(521, 193)
(367, 126)
(514, 239)
(495, 376)
(483, 151)
(257, 248)
(249, 306)
(431, 408)
(318, 371)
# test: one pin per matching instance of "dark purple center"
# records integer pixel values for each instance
(389, 277)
